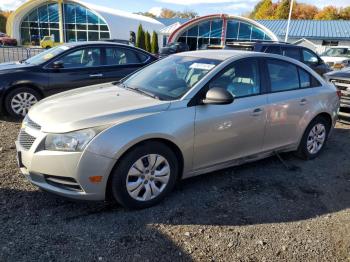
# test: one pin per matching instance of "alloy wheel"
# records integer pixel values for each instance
(22, 102)
(316, 138)
(148, 177)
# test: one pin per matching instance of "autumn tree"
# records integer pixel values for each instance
(148, 14)
(3, 19)
(344, 13)
(328, 13)
(304, 11)
(282, 10)
(187, 13)
(265, 10)
(167, 13)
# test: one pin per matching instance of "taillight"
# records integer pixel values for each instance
(339, 93)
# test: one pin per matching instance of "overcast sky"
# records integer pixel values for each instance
(200, 6)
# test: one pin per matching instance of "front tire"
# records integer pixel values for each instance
(144, 176)
(20, 100)
(314, 138)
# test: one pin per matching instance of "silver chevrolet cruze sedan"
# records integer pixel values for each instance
(182, 116)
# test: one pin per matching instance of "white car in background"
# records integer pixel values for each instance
(337, 57)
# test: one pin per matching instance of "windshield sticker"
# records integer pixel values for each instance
(48, 56)
(64, 47)
(202, 66)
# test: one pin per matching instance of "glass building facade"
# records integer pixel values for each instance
(211, 32)
(79, 24)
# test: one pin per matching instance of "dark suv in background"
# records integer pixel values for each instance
(299, 53)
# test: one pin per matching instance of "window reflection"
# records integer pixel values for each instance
(80, 24)
(210, 32)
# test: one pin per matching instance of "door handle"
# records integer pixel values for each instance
(303, 102)
(257, 112)
(96, 75)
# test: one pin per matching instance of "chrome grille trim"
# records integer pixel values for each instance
(25, 140)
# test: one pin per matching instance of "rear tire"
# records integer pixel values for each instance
(314, 138)
(144, 176)
(19, 100)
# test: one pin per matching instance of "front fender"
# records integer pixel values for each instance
(173, 125)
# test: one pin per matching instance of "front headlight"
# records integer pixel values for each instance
(69, 142)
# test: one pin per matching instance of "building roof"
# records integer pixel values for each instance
(169, 29)
(170, 21)
(310, 29)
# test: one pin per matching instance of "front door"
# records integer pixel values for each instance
(227, 132)
(81, 67)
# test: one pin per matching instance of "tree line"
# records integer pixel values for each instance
(145, 42)
(168, 13)
(266, 9)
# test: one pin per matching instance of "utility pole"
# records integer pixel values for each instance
(289, 18)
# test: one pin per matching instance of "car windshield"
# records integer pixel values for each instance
(337, 52)
(171, 77)
(46, 55)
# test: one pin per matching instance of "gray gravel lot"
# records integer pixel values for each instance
(256, 212)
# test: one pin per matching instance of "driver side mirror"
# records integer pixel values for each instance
(57, 65)
(218, 96)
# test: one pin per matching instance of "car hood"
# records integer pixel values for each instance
(334, 59)
(92, 106)
(12, 65)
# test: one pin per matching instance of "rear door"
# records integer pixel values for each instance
(291, 95)
(122, 61)
(81, 67)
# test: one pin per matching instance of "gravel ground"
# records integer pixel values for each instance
(256, 212)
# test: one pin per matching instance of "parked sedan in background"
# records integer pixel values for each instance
(65, 67)
(341, 79)
(337, 57)
(300, 53)
(182, 116)
(6, 40)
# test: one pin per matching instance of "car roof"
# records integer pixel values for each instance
(92, 43)
(218, 54)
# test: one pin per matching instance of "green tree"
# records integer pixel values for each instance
(140, 38)
(3, 20)
(345, 13)
(154, 44)
(265, 10)
(282, 10)
(148, 42)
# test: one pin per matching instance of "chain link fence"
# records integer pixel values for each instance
(10, 54)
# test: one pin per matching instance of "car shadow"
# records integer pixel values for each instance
(256, 193)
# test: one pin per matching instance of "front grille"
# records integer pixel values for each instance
(25, 140)
(32, 124)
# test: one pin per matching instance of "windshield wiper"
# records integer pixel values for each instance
(138, 90)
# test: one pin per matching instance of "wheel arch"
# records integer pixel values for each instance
(19, 85)
(177, 151)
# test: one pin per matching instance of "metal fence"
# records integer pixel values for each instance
(10, 54)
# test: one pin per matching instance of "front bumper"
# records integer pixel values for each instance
(63, 173)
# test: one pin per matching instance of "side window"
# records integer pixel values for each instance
(87, 57)
(291, 52)
(142, 57)
(240, 79)
(307, 80)
(121, 56)
(309, 57)
(273, 50)
(283, 75)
